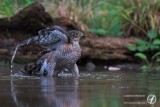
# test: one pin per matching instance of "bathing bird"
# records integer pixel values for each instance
(63, 54)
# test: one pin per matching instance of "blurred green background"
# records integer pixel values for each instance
(103, 17)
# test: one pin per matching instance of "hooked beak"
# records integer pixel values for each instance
(82, 35)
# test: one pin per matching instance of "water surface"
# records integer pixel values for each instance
(92, 89)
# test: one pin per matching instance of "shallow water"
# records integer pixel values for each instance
(92, 89)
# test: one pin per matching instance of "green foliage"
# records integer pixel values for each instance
(6, 8)
(98, 31)
(10, 7)
(152, 34)
(141, 55)
(144, 46)
(140, 16)
(106, 17)
(120, 17)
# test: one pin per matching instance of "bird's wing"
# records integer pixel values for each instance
(52, 28)
(49, 37)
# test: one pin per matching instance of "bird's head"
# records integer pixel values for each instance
(74, 35)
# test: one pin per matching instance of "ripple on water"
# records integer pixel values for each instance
(101, 75)
(18, 77)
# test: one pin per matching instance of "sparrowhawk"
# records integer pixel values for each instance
(63, 54)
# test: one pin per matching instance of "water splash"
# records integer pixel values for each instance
(25, 42)
(63, 74)
(13, 56)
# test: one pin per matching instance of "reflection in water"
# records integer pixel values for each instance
(13, 92)
(54, 92)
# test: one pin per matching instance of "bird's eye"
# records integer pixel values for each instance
(75, 34)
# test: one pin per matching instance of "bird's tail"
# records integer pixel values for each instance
(32, 69)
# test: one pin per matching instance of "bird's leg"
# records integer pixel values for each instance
(51, 68)
(43, 68)
(75, 70)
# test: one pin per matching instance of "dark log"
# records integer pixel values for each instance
(107, 48)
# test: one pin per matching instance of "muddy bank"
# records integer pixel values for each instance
(33, 18)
